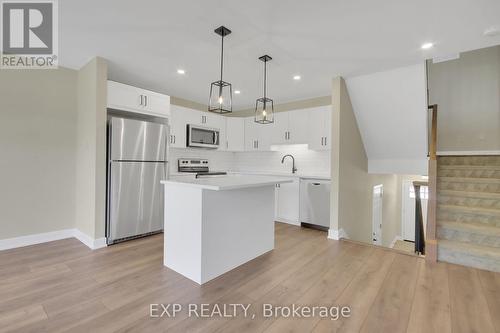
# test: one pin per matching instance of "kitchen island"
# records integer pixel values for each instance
(215, 224)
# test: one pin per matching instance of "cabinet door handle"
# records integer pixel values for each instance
(140, 103)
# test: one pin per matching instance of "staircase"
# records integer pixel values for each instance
(468, 211)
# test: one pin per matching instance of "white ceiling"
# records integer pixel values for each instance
(147, 41)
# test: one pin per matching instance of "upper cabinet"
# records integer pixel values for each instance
(290, 127)
(181, 117)
(235, 134)
(257, 136)
(319, 128)
(132, 99)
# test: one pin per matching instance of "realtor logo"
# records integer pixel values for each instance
(29, 34)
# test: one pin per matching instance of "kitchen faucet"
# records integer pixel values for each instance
(294, 169)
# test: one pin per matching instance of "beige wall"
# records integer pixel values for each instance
(296, 105)
(90, 189)
(467, 92)
(37, 151)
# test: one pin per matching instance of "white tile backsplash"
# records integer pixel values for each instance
(219, 160)
(307, 161)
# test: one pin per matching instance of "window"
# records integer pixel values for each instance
(424, 192)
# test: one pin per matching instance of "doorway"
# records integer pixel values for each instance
(408, 210)
(378, 194)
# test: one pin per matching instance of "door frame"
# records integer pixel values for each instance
(379, 214)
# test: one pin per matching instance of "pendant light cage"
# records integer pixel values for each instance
(221, 92)
(264, 106)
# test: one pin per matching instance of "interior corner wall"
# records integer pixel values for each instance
(352, 185)
(37, 151)
(90, 189)
(351, 195)
(467, 92)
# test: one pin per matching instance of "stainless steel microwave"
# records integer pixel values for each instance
(202, 137)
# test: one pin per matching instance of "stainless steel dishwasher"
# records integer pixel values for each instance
(315, 203)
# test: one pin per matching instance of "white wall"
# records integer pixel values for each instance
(37, 151)
(391, 112)
(467, 92)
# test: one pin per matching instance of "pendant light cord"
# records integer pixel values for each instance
(222, 57)
(265, 77)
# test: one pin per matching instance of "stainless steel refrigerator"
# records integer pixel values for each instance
(138, 157)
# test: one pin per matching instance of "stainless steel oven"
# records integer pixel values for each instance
(202, 137)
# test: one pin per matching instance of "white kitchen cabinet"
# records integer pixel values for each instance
(180, 118)
(279, 133)
(287, 202)
(133, 99)
(297, 127)
(319, 128)
(290, 127)
(235, 134)
(257, 136)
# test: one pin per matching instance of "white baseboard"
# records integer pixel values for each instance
(292, 222)
(337, 234)
(395, 240)
(468, 153)
(12, 243)
(91, 243)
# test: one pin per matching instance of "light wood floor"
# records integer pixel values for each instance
(63, 286)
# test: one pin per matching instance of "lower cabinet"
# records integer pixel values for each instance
(287, 202)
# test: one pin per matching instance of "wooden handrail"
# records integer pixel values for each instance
(431, 241)
(433, 133)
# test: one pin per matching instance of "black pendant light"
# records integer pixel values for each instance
(264, 107)
(221, 92)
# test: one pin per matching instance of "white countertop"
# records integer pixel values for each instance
(284, 174)
(229, 182)
(267, 173)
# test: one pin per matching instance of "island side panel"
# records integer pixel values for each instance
(182, 230)
(238, 226)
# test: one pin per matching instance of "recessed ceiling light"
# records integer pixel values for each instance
(492, 31)
(427, 46)
(181, 71)
(296, 77)
(237, 92)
